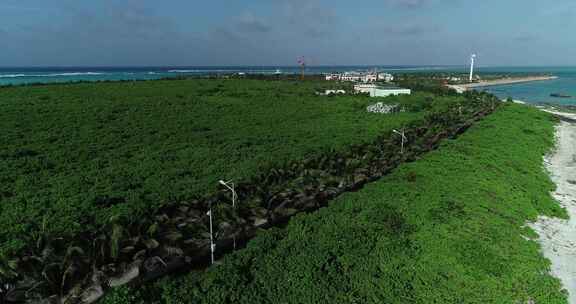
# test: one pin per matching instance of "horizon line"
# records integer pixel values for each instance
(282, 66)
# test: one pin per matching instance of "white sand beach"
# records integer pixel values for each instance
(557, 236)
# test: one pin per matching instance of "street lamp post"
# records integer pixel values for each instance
(212, 245)
(403, 136)
(230, 186)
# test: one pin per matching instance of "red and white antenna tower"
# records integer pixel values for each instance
(302, 64)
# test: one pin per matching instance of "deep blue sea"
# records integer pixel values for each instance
(533, 92)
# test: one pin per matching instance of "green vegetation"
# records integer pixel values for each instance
(73, 156)
(448, 228)
(96, 177)
(424, 82)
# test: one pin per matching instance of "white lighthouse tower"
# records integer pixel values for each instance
(472, 59)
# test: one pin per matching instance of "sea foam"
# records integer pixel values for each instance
(12, 75)
(51, 75)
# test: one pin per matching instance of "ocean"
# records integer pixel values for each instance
(533, 92)
(539, 91)
(16, 76)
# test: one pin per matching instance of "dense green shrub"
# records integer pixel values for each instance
(74, 156)
(425, 83)
(448, 228)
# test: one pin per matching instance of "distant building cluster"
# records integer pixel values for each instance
(360, 77)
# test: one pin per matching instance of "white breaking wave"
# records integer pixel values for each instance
(51, 75)
(12, 75)
(185, 71)
(71, 74)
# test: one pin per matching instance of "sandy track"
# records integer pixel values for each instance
(557, 236)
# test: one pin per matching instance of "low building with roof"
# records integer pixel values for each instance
(376, 90)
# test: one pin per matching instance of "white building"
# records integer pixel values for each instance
(386, 77)
(380, 91)
(369, 78)
(453, 79)
(351, 76)
(332, 76)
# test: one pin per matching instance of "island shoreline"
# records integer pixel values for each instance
(556, 235)
(504, 81)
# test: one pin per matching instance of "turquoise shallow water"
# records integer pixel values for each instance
(539, 91)
(533, 92)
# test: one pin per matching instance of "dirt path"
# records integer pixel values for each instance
(557, 236)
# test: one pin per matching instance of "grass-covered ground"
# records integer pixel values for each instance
(448, 228)
(74, 156)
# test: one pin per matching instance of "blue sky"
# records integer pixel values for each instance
(276, 32)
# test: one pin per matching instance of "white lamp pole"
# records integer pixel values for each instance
(230, 186)
(212, 245)
(402, 134)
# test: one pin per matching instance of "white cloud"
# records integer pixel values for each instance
(250, 23)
